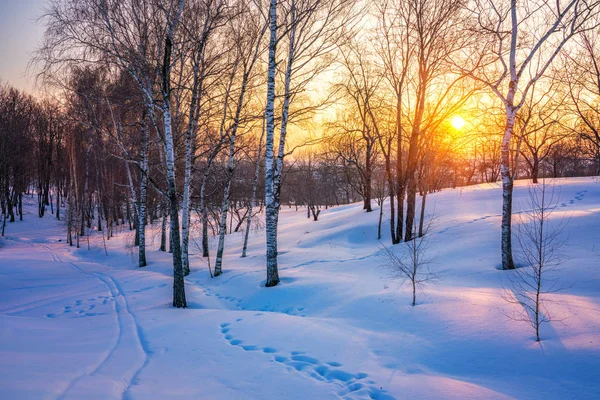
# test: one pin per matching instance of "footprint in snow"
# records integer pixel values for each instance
(81, 308)
(352, 385)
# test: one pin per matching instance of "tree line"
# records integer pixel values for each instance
(224, 111)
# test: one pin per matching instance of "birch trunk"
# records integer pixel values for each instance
(190, 150)
(179, 300)
(139, 205)
(399, 171)
(143, 196)
(231, 164)
(253, 198)
(507, 192)
(271, 207)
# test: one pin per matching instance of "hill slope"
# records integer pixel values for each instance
(77, 323)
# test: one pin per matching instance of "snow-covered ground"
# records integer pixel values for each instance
(82, 324)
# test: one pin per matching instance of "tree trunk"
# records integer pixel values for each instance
(422, 217)
(142, 218)
(205, 251)
(368, 178)
(380, 220)
(190, 146)
(413, 151)
(507, 192)
(179, 299)
(253, 198)
(58, 202)
(20, 206)
(391, 194)
(163, 229)
(271, 206)
(535, 169)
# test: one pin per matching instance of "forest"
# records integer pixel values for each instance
(210, 116)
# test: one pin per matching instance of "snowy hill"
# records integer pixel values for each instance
(77, 323)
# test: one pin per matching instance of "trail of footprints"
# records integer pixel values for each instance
(578, 197)
(351, 385)
(83, 308)
(237, 304)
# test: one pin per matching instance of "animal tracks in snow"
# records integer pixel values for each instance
(237, 304)
(83, 308)
(578, 197)
(350, 385)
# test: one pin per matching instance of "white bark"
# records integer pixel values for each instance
(270, 202)
(568, 19)
(143, 195)
(179, 299)
(248, 63)
(253, 198)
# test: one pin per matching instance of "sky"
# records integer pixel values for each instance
(21, 34)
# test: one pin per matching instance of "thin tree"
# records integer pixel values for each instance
(521, 42)
(311, 29)
(412, 262)
(540, 238)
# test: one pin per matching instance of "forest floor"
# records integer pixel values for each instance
(79, 323)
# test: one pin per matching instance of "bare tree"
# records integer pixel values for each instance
(413, 264)
(582, 76)
(395, 51)
(251, 205)
(97, 32)
(540, 238)
(539, 129)
(521, 42)
(247, 32)
(310, 29)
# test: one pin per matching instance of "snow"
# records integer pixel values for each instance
(76, 323)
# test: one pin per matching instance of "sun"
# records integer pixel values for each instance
(458, 122)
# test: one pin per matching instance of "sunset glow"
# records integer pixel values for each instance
(458, 122)
(321, 199)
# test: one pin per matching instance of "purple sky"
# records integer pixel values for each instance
(20, 35)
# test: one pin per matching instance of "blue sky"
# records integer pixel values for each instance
(21, 35)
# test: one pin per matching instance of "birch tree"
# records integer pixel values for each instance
(309, 29)
(521, 41)
(205, 17)
(247, 35)
(251, 205)
(138, 38)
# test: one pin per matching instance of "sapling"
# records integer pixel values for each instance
(412, 262)
(540, 238)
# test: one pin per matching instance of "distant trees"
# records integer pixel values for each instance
(583, 88)
(193, 108)
(539, 129)
(17, 112)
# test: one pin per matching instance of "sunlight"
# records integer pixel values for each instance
(458, 122)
